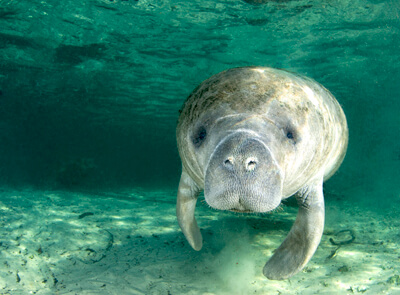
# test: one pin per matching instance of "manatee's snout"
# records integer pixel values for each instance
(242, 175)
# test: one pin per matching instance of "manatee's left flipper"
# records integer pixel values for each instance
(304, 237)
(188, 193)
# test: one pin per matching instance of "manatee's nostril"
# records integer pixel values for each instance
(229, 162)
(251, 164)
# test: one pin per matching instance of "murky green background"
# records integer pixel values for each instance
(90, 90)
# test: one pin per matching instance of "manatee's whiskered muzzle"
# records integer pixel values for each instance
(242, 176)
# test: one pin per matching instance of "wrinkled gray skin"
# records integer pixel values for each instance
(251, 137)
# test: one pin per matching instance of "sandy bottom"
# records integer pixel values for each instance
(54, 242)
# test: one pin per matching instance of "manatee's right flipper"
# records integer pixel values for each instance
(304, 237)
(188, 193)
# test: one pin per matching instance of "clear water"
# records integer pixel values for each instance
(89, 99)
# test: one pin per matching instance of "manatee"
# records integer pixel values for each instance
(251, 137)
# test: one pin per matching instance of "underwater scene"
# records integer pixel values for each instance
(98, 186)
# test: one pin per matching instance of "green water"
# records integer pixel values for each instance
(90, 93)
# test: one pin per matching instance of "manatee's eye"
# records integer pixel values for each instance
(199, 136)
(292, 135)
